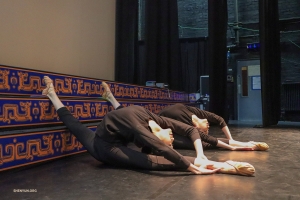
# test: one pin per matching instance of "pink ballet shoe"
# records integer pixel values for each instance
(242, 168)
(106, 92)
(49, 85)
(260, 146)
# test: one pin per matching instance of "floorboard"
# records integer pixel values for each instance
(277, 174)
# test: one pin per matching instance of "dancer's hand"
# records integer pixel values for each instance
(202, 170)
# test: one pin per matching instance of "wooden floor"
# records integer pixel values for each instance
(81, 177)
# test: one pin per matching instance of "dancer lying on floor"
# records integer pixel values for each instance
(198, 118)
(119, 127)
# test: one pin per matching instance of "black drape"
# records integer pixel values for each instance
(162, 62)
(217, 36)
(194, 62)
(126, 49)
(161, 56)
(270, 62)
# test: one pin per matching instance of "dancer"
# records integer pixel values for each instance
(108, 143)
(198, 118)
(201, 119)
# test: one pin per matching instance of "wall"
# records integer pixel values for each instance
(75, 37)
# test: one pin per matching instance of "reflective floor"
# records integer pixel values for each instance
(81, 177)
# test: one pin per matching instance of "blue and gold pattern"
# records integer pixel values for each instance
(28, 111)
(22, 106)
(18, 81)
(25, 149)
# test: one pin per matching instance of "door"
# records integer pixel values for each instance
(249, 91)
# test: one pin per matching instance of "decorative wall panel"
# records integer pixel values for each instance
(18, 81)
(24, 149)
(15, 112)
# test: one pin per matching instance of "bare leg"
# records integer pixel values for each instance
(108, 96)
(228, 167)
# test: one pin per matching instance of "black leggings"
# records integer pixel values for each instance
(110, 153)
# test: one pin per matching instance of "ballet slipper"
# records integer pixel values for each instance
(49, 85)
(107, 93)
(260, 146)
(241, 168)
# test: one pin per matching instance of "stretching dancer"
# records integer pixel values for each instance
(108, 143)
(198, 118)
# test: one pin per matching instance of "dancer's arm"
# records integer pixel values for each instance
(185, 130)
(233, 148)
(227, 133)
(147, 138)
(199, 149)
(203, 169)
(212, 118)
(168, 152)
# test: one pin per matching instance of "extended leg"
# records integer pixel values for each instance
(84, 135)
(122, 156)
(108, 96)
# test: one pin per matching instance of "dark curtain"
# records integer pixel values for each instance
(162, 62)
(217, 36)
(194, 62)
(270, 61)
(126, 49)
(161, 56)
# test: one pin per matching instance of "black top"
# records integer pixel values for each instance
(130, 124)
(184, 113)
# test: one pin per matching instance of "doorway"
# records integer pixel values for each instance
(249, 104)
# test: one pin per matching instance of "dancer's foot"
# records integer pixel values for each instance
(259, 146)
(49, 86)
(107, 93)
(240, 168)
(228, 167)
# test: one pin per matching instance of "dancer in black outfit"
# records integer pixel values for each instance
(201, 119)
(196, 118)
(132, 124)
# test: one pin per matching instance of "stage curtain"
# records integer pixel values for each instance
(270, 61)
(217, 40)
(126, 43)
(194, 62)
(162, 58)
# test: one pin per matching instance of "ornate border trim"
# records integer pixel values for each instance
(18, 81)
(24, 149)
